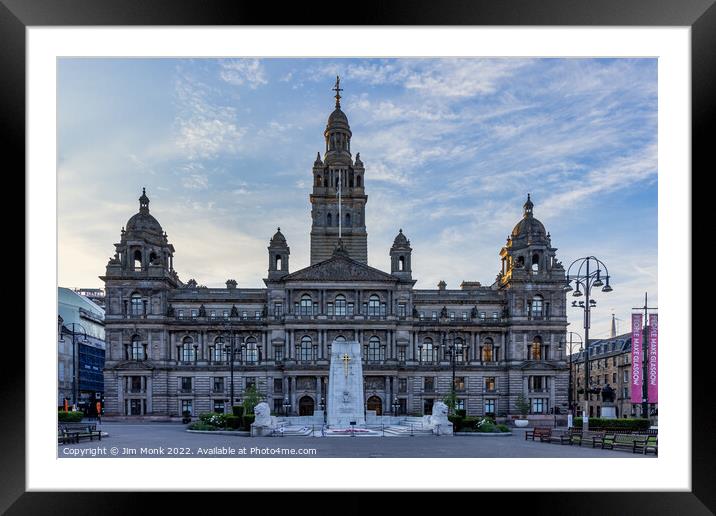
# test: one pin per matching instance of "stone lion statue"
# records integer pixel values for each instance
(263, 415)
(440, 413)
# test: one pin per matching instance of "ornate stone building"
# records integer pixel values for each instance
(169, 343)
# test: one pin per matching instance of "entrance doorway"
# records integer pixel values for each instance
(305, 406)
(428, 406)
(374, 403)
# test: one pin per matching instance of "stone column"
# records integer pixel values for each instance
(149, 394)
(294, 399)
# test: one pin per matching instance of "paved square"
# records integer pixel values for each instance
(172, 440)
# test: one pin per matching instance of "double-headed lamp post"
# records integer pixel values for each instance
(75, 379)
(450, 336)
(586, 273)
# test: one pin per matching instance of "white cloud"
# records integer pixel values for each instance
(243, 71)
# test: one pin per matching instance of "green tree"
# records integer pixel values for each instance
(522, 405)
(451, 401)
(251, 399)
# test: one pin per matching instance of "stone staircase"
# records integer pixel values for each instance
(411, 425)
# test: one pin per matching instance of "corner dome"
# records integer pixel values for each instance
(278, 237)
(401, 240)
(143, 221)
(529, 225)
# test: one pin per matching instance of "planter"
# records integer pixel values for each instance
(521, 423)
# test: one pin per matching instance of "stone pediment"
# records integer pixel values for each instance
(135, 365)
(339, 268)
(537, 364)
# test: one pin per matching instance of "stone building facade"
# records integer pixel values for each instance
(609, 363)
(169, 342)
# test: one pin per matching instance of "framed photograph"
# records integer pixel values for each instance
(440, 239)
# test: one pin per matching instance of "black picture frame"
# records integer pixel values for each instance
(699, 15)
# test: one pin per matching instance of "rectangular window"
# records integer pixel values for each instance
(435, 315)
(250, 382)
(185, 383)
(329, 308)
(194, 314)
(403, 409)
(460, 404)
(459, 383)
(213, 314)
(428, 384)
(464, 316)
(422, 315)
(219, 406)
(180, 314)
(402, 385)
(383, 309)
(614, 360)
(483, 315)
(277, 385)
(614, 378)
(401, 353)
(350, 308)
(495, 315)
(278, 309)
(626, 376)
(402, 310)
(187, 406)
(489, 406)
(218, 384)
(257, 315)
(134, 407)
(452, 316)
(625, 392)
(538, 405)
(490, 384)
(135, 384)
(244, 315)
(62, 371)
(278, 353)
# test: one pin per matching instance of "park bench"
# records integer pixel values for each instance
(543, 434)
(73, 432)
(573, 436)
(648, 442)
(612, 440)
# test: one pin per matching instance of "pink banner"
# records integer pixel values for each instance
(653, 356)
(636, 358)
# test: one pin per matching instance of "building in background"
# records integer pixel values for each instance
(170, 343)
(85, 319)
(609, 363)
(96, 295)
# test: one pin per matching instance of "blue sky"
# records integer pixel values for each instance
(451, 149)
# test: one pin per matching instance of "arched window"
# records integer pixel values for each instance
(137, 306)
(153, 258)
(318, 180)
(520, 261)
(348, 220)
(137, 351)
(306, 305)
(487, 351)
(358, 181)
(459, 350)
(188, 353)
(374, 350)
(329, 220)
(341, 305)
(219, 354)
(426, 352)
(374, 305)
(278, 262)
(340, 338)
(137, 260)
(401, 263)
(252, 355)
(535, 262)
(537, 306)
(536, 349)
(306, 350)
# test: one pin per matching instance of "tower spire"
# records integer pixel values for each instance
(338, 91)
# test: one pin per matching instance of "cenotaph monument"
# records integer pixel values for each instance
(345, 386)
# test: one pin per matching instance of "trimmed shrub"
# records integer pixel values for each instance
(247, 419)
(469, 423)
(70, 417)
(237, 410)
(596, 423)
(461, 412)
(233, 422)
(503, 428)
(487, 428)
(213, 418)
(457, 422)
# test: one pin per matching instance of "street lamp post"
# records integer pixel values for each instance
(644, 343)
(572, 387)
(587, 274)
(286, 405)
(396, 406)
(230, 353)
(75, 380)
(450, 336)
